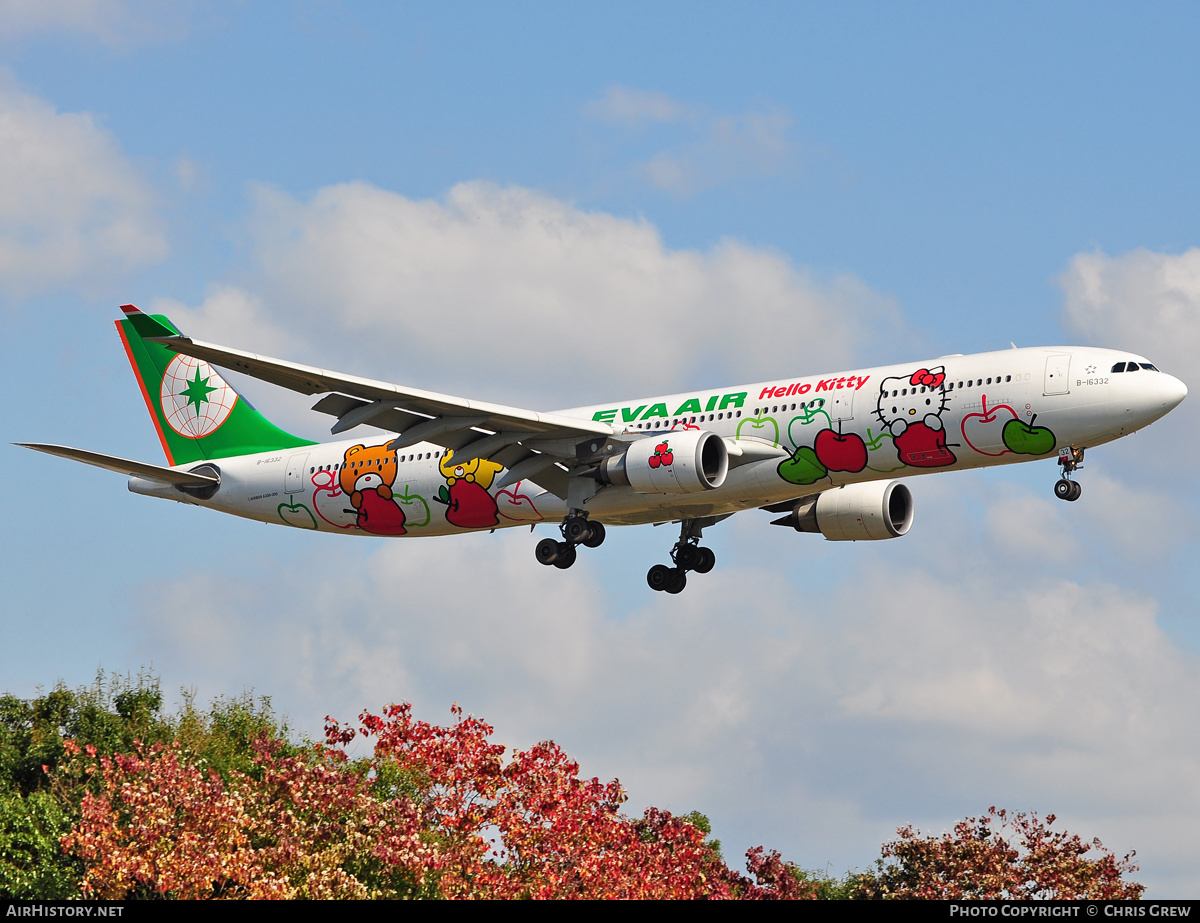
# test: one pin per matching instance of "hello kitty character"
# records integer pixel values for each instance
(911, 409)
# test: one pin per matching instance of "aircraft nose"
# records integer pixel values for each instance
(1173, 391)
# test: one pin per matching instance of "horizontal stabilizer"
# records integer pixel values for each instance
(125, 466)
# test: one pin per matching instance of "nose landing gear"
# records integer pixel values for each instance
(1069, 458)
(687, 555)
(576, 529)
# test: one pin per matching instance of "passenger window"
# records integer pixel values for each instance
(1008, 378)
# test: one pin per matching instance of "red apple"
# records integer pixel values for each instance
(841, 451)
(984, 432)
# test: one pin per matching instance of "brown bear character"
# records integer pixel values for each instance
(366, 478)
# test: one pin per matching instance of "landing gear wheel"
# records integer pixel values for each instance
(678, 582)
(1076, 490)
(566, 555)
(577, 530)
(687, 557)
(707, 561)
(547, 551)
(596, 538)
(659, 576)
(1065, 490)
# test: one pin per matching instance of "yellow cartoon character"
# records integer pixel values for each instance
(468, 503)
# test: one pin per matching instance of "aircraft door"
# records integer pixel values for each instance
(1058, 371)
(842, 405)
(293, 481)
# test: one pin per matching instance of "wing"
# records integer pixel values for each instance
(529, 444)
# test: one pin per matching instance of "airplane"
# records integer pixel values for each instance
(827, 451)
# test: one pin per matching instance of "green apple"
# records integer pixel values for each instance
(809, 416)
(802, 468)
(296, 514)
(1027, 439)
(759, 429)
(410, 503)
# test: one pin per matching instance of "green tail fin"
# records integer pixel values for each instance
(197, 413)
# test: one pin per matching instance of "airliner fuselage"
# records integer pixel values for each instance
(829, 451)
(876, 425)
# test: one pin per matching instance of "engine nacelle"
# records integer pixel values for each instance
(677, 462)
(865, 512)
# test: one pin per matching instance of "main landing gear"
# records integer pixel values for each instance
(576, 529)
(688, 554)
(1069, 458)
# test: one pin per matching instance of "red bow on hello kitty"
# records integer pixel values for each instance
(926, 377)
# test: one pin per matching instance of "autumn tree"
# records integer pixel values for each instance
(1000, 856)
(436, 811)
(38, 805)
(102, 794)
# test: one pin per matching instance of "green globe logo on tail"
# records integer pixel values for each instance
(198, 415)
(195, 399)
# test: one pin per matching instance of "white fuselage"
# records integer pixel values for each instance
(800, 436)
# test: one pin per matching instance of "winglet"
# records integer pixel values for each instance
(146, 326)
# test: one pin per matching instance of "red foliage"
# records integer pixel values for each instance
(439, 812)
(532, 827)
(163, 826)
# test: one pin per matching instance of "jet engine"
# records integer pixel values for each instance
(677, 462)
(855, 513)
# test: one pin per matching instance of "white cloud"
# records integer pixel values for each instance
(1028, 526)
(110, 22)
(73, 211)
(530, 298)
(1140, 523)
(733, 147)
(708, 149)
(633, 108)
(1143, 301)
(1148, 303)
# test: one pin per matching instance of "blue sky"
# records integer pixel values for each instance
(548, 205)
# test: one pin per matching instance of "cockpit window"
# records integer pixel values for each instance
(1119, 367)
(1147, 366)
(1131, 367)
